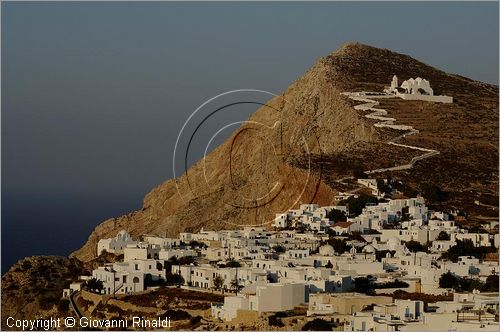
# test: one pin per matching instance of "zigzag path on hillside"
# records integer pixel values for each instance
(379, 114)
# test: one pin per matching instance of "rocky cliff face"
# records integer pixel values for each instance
(249, 181)
(313, 118)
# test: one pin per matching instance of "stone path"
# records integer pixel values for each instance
(73, 304)
(380, 115)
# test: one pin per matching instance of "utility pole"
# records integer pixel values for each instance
(190, 274)
(236, 284)
(114, 282)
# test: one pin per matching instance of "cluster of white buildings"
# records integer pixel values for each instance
(466, 312)
(261, 270)
(312, 216)
(143, 261)
(415, 89)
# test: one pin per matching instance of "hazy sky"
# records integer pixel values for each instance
(94, 94)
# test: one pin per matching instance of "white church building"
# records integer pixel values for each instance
(115, 244)
(415, 89)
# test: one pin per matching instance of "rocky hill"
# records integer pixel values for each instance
(320, 131)
(33, 287)
(465, 132)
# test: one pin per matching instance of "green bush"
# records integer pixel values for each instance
(356, 205)
(492, 283)
(275, 321)
(443, 236)
(47, 301)
(233, 263)
(339, 245)
(195, 320)
(279, 249)
(186, 260)
(457, 283)
(433, 194)
(317, 324)
(392, 284)
(63, 305)
(336, 215)
(466, 248)
(366, 285)
(415, 246)
(176, 314)
(174, 279)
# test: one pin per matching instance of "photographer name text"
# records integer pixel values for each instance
(86, 322)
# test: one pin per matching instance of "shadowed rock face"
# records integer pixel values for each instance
(249, 181)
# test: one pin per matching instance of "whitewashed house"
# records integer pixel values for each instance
(141, 250)
(127, 277)
(262, 297)
(166, 254)
(478, 239)
(281, 220)
(370, 184)
(346, 227)
(162, 242)
(442, 245)
(296, 254)
(342, 303)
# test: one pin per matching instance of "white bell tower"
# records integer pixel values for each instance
(394, 83)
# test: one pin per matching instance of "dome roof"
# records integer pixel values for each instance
(393, 243)
(369, 249)
(326, 250)
(399, 254)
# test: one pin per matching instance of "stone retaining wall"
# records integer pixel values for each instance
(132, 307)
